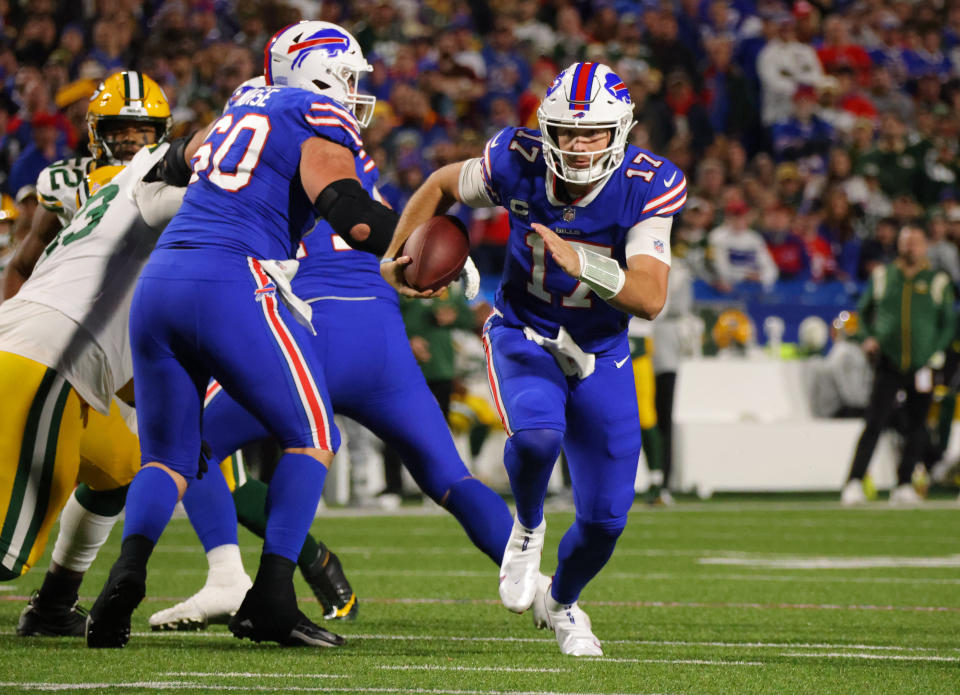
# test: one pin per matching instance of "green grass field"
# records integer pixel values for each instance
(717, 597)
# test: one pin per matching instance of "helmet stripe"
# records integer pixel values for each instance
(267, 72)
(582, 86)
(317, 42)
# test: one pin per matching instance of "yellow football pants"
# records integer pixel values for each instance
(49, 441)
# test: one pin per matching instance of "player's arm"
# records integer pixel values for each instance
(43, 230)
(329, 178)
(457, 182)
(434, 197)
(639, 289)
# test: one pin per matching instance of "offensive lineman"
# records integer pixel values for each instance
(358, 324)
(582, 206)
(279, 157)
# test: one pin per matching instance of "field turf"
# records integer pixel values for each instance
(735, 596)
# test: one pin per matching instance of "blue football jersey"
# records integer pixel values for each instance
(330, 268)
(245, 194)
(534, 291)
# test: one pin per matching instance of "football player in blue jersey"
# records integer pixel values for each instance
(214, 301)
(589, 245)
(373, 378)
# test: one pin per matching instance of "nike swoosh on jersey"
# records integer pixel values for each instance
(669, 181)
(622, 362)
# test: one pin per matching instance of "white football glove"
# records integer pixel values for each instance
(470, 277)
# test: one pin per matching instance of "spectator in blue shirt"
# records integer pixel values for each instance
(804, 136)
(39, 154)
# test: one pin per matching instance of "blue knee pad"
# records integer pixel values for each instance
(584, 550)
(529, 456)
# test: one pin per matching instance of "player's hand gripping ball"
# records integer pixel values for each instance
(438, 249)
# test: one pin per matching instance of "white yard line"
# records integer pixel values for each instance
(832, 562)
(692, 662)
(250, 674)
(735, 605)
(881, 657)
(175, 685)
(431, 667)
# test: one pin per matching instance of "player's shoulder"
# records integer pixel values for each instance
(60, 180)
(73, 163)
(514, 149)
(653, 182)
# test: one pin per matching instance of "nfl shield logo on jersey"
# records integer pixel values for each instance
(569, 214)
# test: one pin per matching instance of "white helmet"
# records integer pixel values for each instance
(321, 57)
(589, 96)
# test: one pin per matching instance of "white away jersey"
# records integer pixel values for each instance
(89, 272)
(57, 185)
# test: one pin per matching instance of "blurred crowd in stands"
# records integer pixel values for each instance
(809, 131)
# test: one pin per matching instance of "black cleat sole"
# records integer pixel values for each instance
(108, 625)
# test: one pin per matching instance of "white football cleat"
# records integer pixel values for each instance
(540, 619)
(213, 604)
(521, 566)
(853, 493)
(905, 494)
(572, 627)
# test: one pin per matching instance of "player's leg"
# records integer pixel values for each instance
(40, 437)
(277, 377)
(643, 381)
(603, 447)
(109, 458)
(228, 427)
(214, 505)
(209, 504)
(530, 393)
(169, 393)
(396, 404)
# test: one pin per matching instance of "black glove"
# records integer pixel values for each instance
(173, 168)
(203, 464)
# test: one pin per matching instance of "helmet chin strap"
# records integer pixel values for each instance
(591, 174)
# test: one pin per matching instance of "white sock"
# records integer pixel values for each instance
(81, 535)
(225, 564)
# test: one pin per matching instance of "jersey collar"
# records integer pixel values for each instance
(551, 184)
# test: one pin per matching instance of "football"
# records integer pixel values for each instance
(439, 248)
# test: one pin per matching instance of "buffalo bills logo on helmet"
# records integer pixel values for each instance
(556, 83)
(330, 40)
(617, 88)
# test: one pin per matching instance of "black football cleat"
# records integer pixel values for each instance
(108, 624)
(329, 584)
(50, 619)
(304, 633)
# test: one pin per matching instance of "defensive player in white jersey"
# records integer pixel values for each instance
(128, 111)
(590, 222)
(64, 353)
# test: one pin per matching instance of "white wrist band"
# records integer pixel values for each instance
(601, 274)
